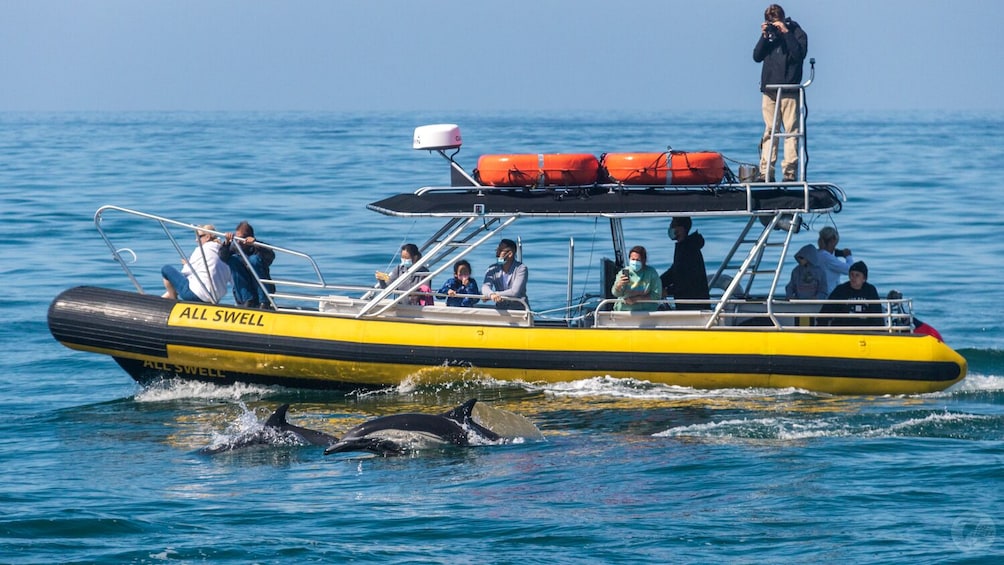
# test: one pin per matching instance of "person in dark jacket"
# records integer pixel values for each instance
(247, 291)
(686, 278)
(781, 48)
(856, 288)
(461, 283)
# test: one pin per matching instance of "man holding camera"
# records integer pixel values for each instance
(834, 262)
(781, 48)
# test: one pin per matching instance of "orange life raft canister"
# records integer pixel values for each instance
(673, 167)
(538, 169)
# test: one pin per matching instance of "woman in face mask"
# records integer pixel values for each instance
(637, 286)
(410, 255)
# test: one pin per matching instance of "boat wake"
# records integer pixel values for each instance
(447, 379)
(612, 387)
(173, 389)
(974, 383)
(786, 429)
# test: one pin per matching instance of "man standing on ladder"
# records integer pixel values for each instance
(781, 48)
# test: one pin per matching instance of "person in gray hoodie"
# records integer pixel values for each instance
(808, 279)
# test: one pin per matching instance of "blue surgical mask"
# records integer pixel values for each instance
(635, 265)
(500, 260)
(405, 262)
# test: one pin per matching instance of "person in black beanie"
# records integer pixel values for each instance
(857, 288)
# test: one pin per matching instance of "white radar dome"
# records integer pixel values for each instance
(437, 136)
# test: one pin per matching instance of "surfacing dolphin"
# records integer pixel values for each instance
(400, 433)
(275, 431)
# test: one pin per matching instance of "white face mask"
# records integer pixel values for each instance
(635, 265)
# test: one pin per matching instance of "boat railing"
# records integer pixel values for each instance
(896, 315)
(438, 313)
(604, 316)
(131, 256)
(480, 297)
(436, 250)
(573, 316)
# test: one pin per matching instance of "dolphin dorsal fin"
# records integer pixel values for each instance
(278, 418)
(463, 415)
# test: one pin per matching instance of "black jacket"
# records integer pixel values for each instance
(845, 292)
(782, 57)
(687, 278)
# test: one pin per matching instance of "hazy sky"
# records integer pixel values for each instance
(486, 55)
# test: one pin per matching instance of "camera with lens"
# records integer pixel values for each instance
(770, 32)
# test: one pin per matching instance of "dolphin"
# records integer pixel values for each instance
(276, 430)
(399, 433)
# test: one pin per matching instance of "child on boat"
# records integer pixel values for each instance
(461, 283)
(852, 294)
(808, 279)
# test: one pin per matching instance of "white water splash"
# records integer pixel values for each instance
(645, 390)
(184, 390)
(787, 429)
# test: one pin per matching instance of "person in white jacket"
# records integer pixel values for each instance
(204, 277)
(834, 262)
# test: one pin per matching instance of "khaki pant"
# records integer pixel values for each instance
(788, 117)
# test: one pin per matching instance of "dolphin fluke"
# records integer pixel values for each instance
(400, 433)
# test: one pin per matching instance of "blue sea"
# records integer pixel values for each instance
(96, 469)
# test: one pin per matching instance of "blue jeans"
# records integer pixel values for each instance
(179, 282)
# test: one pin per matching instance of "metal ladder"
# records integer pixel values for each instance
(802, 113)
(759, 260)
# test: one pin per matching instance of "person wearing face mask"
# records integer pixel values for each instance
(460, 283)
(410, 255)
(506, 279)
(686, 278)
(638, 287)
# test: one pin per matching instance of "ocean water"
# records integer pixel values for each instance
(97, 469)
